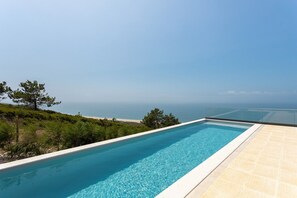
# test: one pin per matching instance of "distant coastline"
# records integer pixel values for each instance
(117, 119)
(135, 112)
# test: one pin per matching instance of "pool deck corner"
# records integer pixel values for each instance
(265, 166)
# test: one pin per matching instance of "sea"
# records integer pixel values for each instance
(136, 111)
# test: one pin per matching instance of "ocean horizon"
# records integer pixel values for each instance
(136, 111)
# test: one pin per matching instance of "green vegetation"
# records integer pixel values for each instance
(25, 132)
(156, 119)
(4, 89)
(6, 134)
(32, 94)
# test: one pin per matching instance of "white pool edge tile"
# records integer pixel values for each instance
(183, 186)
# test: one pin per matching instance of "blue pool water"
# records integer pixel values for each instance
(139, 167)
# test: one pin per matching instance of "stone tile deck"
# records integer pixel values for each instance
(265, 167)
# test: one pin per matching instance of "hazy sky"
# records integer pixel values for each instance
(152, 50)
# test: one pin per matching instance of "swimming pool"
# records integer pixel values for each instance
(142, 166)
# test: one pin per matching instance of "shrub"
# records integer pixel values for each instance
(54, 134)
(80, 133)
(156, 119)
(27, 147)
(6, 133)
(23, 149)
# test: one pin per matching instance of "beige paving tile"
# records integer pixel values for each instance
(255, 147)
(263, 185)
(290, 149)
(266, 171)
(248, 157)
(262, 137)
(269, 160)
(287, 191)
(291, 142)
(242, 165)
(277, 134)
(210, 194)
(291, 129)
(290, 146)
(288, 166)
(270, 154)
(275, 138)
(252, 150)
(235, 176)
(288, 177)
(217, 194)
(248, 193)
(273, 145)
(290, 157)
(273, 151)
(223, 189)
(290, 136)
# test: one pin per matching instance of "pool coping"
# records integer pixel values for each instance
(47, 156)
(186, 184)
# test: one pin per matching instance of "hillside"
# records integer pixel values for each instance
(25, 132)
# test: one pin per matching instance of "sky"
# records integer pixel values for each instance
(150, 51)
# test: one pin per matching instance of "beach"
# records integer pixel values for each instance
(117, 119)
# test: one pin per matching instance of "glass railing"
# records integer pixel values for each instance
(259, 115)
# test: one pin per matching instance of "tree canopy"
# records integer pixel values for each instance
(32, 94)
(3, 90)
(156, 119)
